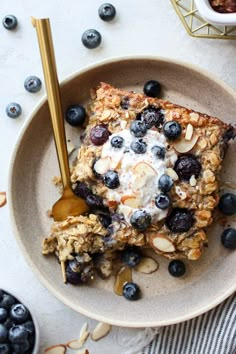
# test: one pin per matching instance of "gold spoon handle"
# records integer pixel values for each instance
(44, 34)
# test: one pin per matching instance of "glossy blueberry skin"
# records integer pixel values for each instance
(177, 268)
(162, 201)
(5, 348)
(187, 166)
(111, 179)
(180, 220)
(10, 22)
(159, 152)
(139, 146)
(13, 110)
(17, 334)
(82, 190)
(131, 291)
(7, 301)
(228, 238)
(152, 116)
(227, 204)
(29, 325)
(138, 128)
(19, 313)
(140, 220)
(94, 202)
(107, 12)
(33, 84)
(21, 348)
(152, 88)
(172, 130)
(131, 256)
(3, 315)
(99, 134)
(117, 142)
(165, 183)
(91, 39)
(75, 115)
(3, 333)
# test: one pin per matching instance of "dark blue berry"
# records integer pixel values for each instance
(13, 110)
(10, 22)
(1, 294)
(21, 348)
(162, 201)
(228, 238)
(152, 88)
(180, 220)
(19, 313)
(77, 273)
(75, 115)
(165, 183)
(105, 219)
(17, 334)
(131, 256)
(117, 142)
(139, 146)
(177, 268)
(3, 315)
(3, 333)
(82, 190)
(227, 204)
(33, 84)
(111, 179)
(140, 220)
(29, 325)
(7, 301)
(152, 116)
(131, 291)
(99, 134)
(187, 166)
(94, 202)
(159, 152)
(138, 128)
(91, 39)
(5, 348)
(107, 12)
(172, 130)
(124, 102)
(9, 323)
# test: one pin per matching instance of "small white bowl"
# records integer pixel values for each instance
(214, 17)
(35, 322)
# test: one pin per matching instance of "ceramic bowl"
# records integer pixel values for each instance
(165, 299)
(214, 17)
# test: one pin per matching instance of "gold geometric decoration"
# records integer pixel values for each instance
(196, 26)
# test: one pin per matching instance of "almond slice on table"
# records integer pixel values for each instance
(3, 199)
(75, 344)
(56, 349)
(162, 243)
(100, 331)
(182, 146)
(147, 265)
(84, 333)
(131, 201)
(102, 165)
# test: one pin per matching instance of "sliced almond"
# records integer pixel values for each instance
(170, 172)
(3, 199)
(105, 114)
(131, 201)
(180, 193)
(162, 243)
(182, 146)
(194, 116)
(75, 344)
(102, 165)
(125, 210)
(147, 265)
(83, 351)
(189, 132)
(84, 329)
(100, 331)
(56, 349)
(142, 172)
(192, 181)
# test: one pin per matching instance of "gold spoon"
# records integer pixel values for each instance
(69, 204)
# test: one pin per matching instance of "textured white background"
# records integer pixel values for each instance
(141, 27)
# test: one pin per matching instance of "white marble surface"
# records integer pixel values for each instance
(141, 27)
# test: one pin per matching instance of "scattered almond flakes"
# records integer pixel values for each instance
(100, 331)
(147, 265)
(56, 349)
(3, 199)
(74, 344)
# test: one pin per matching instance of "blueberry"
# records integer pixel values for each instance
(176, 268)
(75, 115)
(94, 202)
(180, 220)
(10, 22)
(131, 291)
(227, 204)
(77, 273)
(187, 166)
(71, 276)
(33, 84)
(140, 220)
(1, 294)
(9, 323)
(124, 102)
(82, 190)
(91, 39)
(3, 315)
(105, 220)
(3, 333)
(152, 88)
(165, 183)
(172, 130)
(13, 110)
(159, 152)
(117, 141)
(7, 301)
(138, 128)
(162, 201)
(17, 334)
(21, 348)
(99, 134)
(131, 256)
(107, 12)
(139, 146)
(5, 348)
(29, 325)
(19, 313)
(111, 179)
(151, 116)
(228, 238)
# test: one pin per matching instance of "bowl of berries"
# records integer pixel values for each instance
(19, 331)
(218, 12)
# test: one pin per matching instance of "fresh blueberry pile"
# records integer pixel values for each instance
(17, 331)
(33, 84)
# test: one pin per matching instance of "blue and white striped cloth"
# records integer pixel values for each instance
(211, 333)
